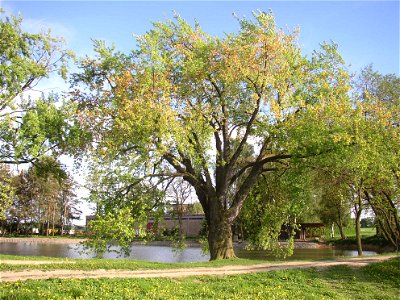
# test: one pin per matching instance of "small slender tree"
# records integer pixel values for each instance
(179, 193)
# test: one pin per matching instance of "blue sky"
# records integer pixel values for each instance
(366, 31)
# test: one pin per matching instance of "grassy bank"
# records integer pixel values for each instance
(108, 264)
(350, 233)
(376, 281)
(376, 242)
(369, 240)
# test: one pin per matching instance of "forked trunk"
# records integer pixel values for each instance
(220, 239)
(220, 214)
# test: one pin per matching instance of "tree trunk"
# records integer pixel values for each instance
(64, 212)
(340, 225)
(220, 213)
(220, 238)
(341, 231)
(180, 224)
(219, 228)
(17, 227)
(53, 220)
(358, 233)
(386, 214)
(62, 228)
(47, 221)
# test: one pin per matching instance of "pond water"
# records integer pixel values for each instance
(161, 253)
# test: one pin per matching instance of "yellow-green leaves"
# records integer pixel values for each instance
(187, 104)
(118, 226)
(28, 127)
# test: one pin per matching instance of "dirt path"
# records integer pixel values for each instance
(174, 273)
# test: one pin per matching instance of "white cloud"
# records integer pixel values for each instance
(43, 25)
(33, 25)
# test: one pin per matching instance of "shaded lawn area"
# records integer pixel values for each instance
(376, 281)
(373, 240)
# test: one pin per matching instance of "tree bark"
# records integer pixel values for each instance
(358, 232)
(339, 222)
(342, 234)
(388, 224)
(341, 230)
(180, 224)
(53, 220)
(219, 228)
(220, 238)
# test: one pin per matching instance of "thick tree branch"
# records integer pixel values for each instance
(203, 161)
(242, 193)
(249, 126)
(272, 158)
(189, 175)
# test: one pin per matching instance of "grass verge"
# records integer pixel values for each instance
(108, 264)
(376, 281)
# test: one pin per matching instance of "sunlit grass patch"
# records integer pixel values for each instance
(376, 281)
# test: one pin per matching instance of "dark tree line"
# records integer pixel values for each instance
(42, 200)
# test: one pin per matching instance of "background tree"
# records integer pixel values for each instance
(6, 190)
(380, 97)
(30, 128)
(366, 172)
(23, 209)
(44, 198)
(333, 206)
(124, 204)
(179, 192)
(68, 203)
(186, 104)
(276, 204)
(195, 208)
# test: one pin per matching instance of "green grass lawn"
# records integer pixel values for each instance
(365, 232)
(350, 232)
(368, 237)
(376, 281)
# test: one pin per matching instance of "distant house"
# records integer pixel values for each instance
(88, 219)
(191, 224)
(310, 231)
(304, 232)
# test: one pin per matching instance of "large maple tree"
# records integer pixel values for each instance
(187, 104)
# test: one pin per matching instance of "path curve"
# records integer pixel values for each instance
(10, 276)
